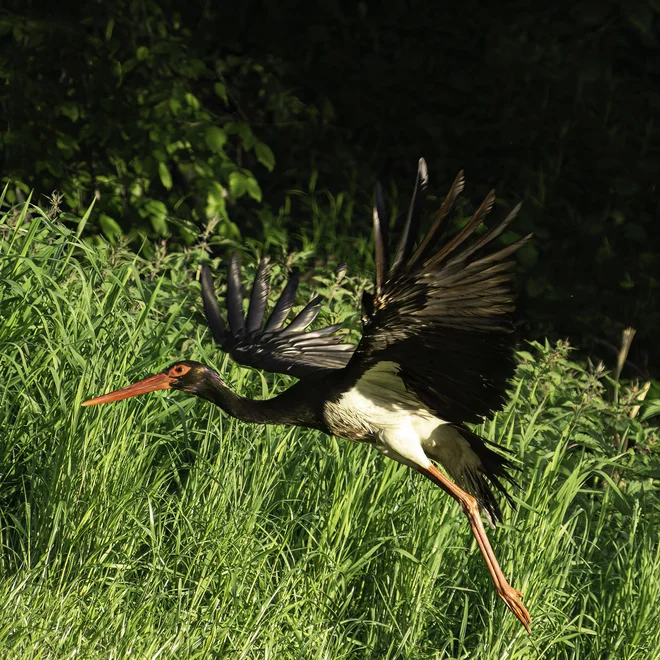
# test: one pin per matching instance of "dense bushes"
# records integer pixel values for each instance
(174, 116)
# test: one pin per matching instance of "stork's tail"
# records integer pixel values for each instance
(476, 468)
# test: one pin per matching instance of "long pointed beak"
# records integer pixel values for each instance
(152, 384)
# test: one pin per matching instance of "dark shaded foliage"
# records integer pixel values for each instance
(552, 104)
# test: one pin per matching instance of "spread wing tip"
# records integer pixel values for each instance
(290, 349)
(258, 298)
(211, 307)
(413, 219)
(235, 297)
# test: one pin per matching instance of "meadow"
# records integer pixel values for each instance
(160, 528)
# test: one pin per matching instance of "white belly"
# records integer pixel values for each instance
(380, 404)
(381, 408)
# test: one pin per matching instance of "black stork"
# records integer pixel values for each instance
(436, 352)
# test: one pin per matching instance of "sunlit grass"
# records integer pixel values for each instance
(158, 527)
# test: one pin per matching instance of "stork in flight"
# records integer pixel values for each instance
(436, 352)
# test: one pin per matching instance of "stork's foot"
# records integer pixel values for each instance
(513, 599)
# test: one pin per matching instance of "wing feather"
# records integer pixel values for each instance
(289, 349)
(444, 314)
(433, 233)
(492, 234)
(235, 297)
(304, 318)
(381, 229)
(409, 234)
(468, 230)
(211, 307)
(283, 305)
(258, 299)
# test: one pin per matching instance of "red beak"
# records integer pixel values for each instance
(151, 384)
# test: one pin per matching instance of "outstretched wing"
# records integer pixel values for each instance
(442, 309)
(271, 346)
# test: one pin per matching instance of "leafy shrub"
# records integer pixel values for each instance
(127, 113)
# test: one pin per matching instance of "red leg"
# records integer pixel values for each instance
(509, 595)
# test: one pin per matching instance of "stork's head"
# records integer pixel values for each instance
(186, 376)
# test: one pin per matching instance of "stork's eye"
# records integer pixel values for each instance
(179, 370)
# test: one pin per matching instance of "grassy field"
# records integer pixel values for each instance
(160, 528)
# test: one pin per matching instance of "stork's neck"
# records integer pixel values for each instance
(294, 406)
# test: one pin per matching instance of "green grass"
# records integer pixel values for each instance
(160, 528)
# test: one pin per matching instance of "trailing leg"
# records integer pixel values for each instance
(509, 595)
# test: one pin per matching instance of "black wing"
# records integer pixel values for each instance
(272, 347)
(442, 310)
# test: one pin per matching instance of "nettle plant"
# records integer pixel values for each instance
(146, 126)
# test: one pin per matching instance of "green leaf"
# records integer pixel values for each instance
(109, 28)
(159, 223)
(117, 69)
(215, 139)
(165, 176)
(215, 202)
(142, 53)
(627, 282)
(157, 212)
(651, 410)
(192, 101)
(587, 441)
(247, 137)
(243, 182)
(221, 90)
(188, 235)
(237, 185)
(264, 155)
(509, 237)
(253, 188)
(110, 228)
(175, 105)
(70, 110)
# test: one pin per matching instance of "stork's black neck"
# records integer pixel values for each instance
(300, 405)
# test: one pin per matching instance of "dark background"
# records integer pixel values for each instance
(171, 114)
